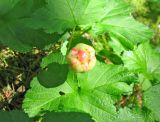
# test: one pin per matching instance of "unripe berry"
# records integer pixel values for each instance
(82, 58)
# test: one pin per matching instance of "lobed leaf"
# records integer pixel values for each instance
(143, 60)
(14, 32)
(100, 15)
(80, 93)
(126, 30)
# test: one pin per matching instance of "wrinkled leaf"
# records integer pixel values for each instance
(127, 115)
(80, 93)
(143, 60)
(151, 100)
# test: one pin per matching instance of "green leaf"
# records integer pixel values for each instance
(143, 60)
(135, 115)
(126, 30)
(64, 43)
(126, 115)
(98, 104)
(145, 83)
(66, 117)
(64, 48)
(118, 88)
(151, 100)
(116, 46)
(14, 116)
(14, 32)
(53, 57)
(59, 15)
(54, 75)
(100, 15)
(80, 93)
(7, 5)
(103, 75)
(39, 98)
(111, 56)
(148, 115)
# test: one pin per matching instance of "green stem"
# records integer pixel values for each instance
(71, 38)
(105, 42)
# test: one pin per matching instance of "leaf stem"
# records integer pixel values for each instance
(71, 38)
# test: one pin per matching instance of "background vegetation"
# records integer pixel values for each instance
(17, 69)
